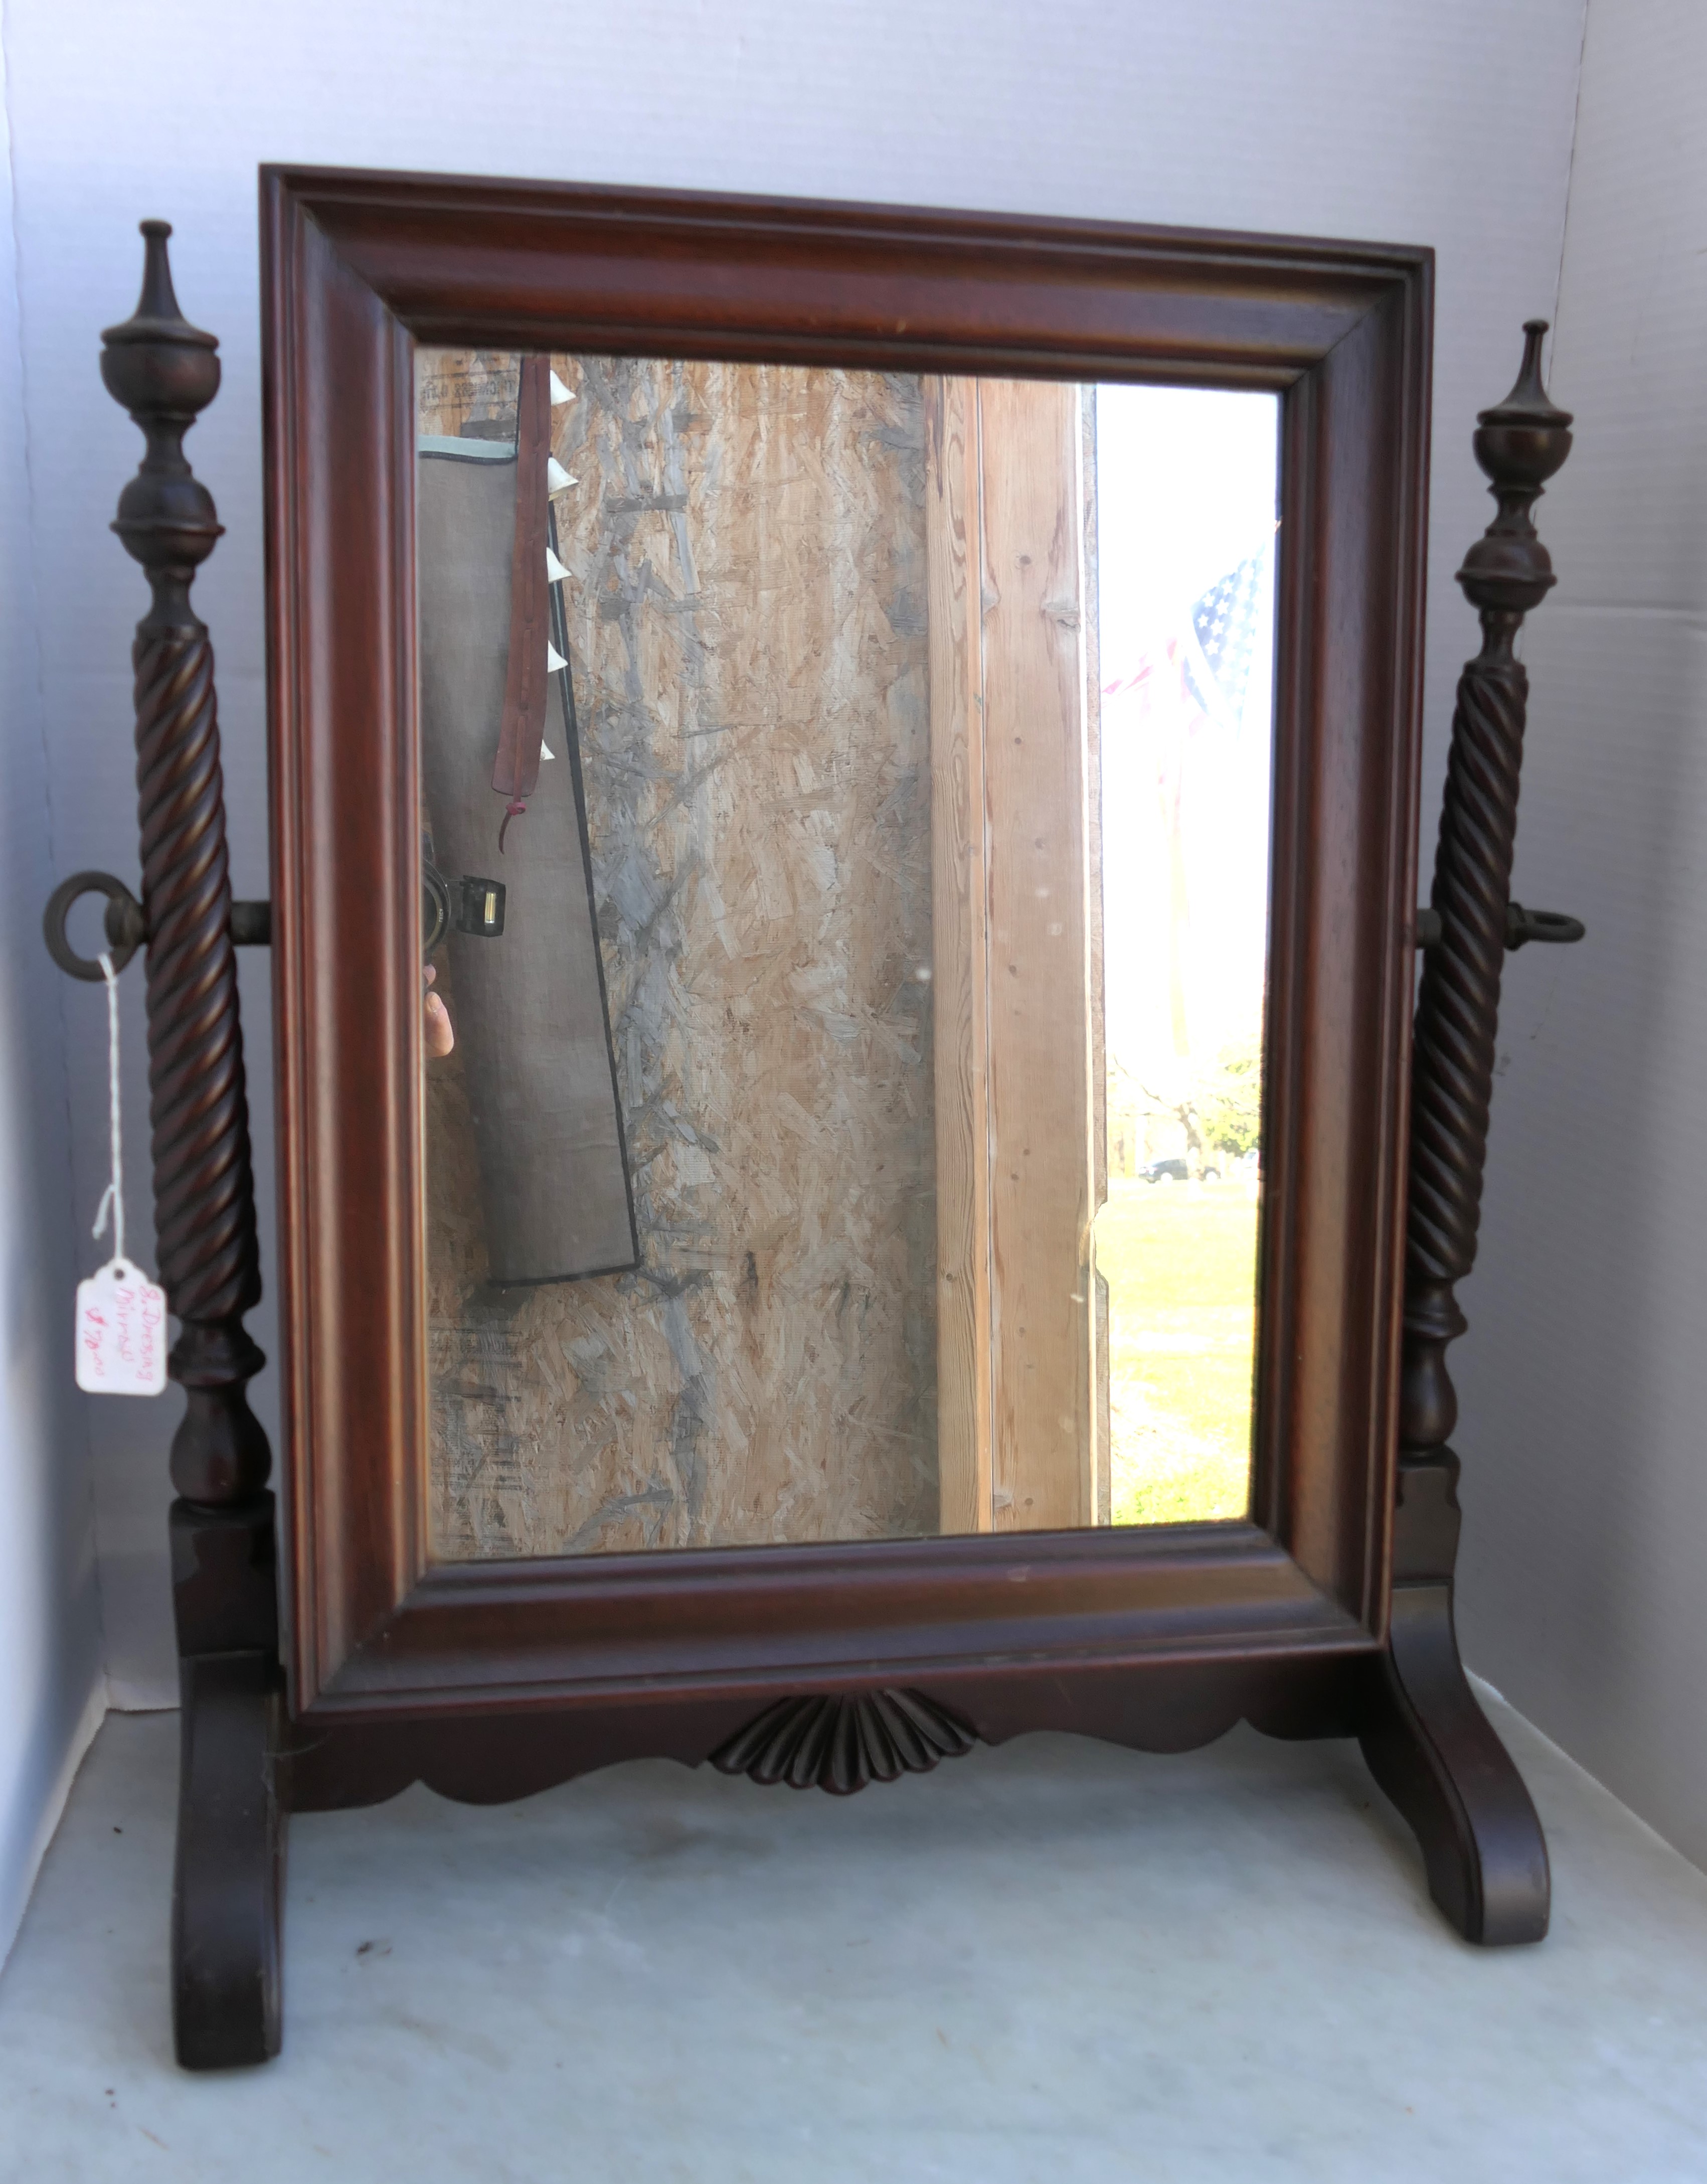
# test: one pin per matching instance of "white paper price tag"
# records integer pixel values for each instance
(121, 1315)
(121, 1332)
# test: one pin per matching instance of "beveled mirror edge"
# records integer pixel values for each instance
(338, 250)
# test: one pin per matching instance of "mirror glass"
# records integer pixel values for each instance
(844, 854)
(1187, 532)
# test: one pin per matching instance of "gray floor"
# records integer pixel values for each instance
(1053, 1962)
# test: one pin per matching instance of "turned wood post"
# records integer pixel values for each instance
(1427, 1742)
(1521, 442)
(227, 1885)
(164, 371)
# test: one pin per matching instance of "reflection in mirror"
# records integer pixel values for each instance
(805, 756)
(1186, 529)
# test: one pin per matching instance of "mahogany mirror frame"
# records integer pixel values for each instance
(489, 1678)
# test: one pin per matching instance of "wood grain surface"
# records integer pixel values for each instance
(746, 617)
(1042, 1101)
(960, 897)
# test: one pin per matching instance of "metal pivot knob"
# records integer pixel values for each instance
(126, 925)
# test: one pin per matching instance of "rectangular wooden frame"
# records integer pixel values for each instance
(356, 267)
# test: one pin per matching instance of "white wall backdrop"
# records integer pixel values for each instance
(1585, 1374)
(50, 1692)
(1440, 121)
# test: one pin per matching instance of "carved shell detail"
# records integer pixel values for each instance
(840, 1744)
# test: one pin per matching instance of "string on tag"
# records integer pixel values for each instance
(112, 1198)
(121, 1315)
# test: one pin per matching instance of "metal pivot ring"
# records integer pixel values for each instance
(126, 928)
(1523, 926)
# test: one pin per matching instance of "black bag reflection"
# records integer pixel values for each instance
(522, 979)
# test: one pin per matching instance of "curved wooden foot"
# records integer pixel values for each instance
(228, 1886)
(1435, 1753)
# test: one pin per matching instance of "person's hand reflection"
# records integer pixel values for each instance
(440, 1037)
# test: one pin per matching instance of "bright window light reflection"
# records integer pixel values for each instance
(1186, 545)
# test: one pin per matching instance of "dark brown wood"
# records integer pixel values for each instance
(1429, 1743)
(488, 1756)
(164, 371)
(842, 1745)
(534, 265)
(337, 659)
(757, 1621)
(1348, 652)
(229, 1868)
(358, 266)
(1330, 1613)
(1433, 1749)
(225, 1910)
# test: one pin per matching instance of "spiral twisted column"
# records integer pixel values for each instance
(1521, 442)
(164, 372)
(203, 1198)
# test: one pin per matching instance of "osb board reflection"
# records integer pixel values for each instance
(746, 613)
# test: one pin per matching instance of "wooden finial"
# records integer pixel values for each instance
(164, 371)
(1522, 441)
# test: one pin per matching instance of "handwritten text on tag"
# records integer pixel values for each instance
(121, 1332)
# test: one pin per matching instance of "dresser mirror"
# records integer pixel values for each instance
(856, 1176)
(843, 935)
(845, 825)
